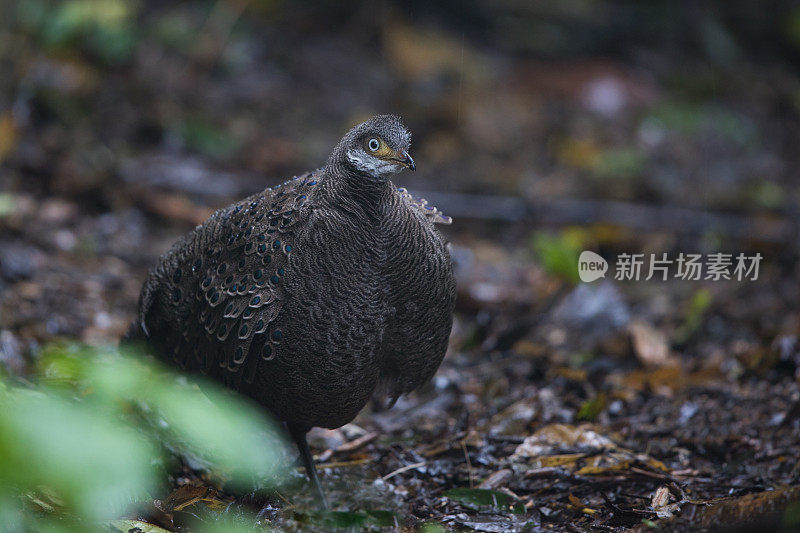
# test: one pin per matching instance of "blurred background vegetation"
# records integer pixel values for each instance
(543, 128)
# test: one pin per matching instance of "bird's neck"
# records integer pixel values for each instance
(355, 191)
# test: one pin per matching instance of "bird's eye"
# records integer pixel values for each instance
(374, 144)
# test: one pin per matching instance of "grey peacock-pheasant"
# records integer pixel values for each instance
(311, 296)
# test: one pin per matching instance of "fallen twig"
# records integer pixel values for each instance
(404, 469)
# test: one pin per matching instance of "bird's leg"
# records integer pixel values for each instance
(299, 436)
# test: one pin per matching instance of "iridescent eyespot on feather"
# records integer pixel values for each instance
(267, 352)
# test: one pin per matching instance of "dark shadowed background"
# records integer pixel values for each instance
(543, 129)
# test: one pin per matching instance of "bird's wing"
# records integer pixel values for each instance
(421, 204)
(237, 261)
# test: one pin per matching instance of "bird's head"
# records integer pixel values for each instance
(377, 147)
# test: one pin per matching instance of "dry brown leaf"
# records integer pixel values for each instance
(661, 500)
(558, 436)
(575, 501)
(550, 461)
(605, 464)
(175, 207)
(8, 135)
(496, 479)
(572, 374)
(579, 505)
(418, 53)
(650, 345)
(188, 495)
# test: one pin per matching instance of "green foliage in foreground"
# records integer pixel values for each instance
(90, 438)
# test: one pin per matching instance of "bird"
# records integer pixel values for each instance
(313, 296)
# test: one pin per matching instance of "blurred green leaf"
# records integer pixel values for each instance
(580, 358)
(791, 27)
(791, 517)
(230, 433)
(219, 426)
(767, 194)
(559, 254)
(350, 519)
(693, 319)
(591, 409)
(104, 27)
(682, 117)
(689, 118)
(202, 136)
(383, 518)
(344, 519)
(619, 163)
(78, 437)
(6, 204)
(93, 462)
(477, 498)
(176, 30)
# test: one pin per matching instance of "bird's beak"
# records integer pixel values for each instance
(404, 158)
